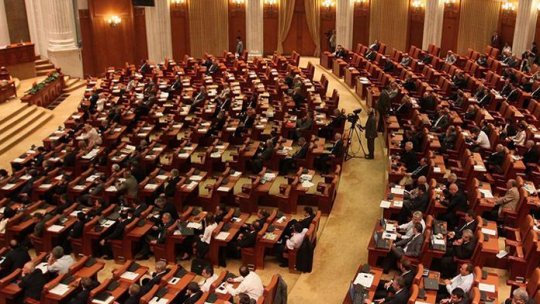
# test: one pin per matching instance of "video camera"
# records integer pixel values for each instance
(354, 116)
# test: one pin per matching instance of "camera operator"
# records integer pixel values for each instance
(371, 134)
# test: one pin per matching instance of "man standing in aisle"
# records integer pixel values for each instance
(371, 134)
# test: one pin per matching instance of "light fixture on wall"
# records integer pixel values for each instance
(114, 20)
(451, 6)
(417, 4)
(508, 6)
(178, 2)
(450, 2)
(238, 2)
(271, 7)
(328, 4)
(361, 7)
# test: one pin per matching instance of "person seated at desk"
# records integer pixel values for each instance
(388, 94)
(148, 283)
(170, 184)
(519, 138)
(511, 61)
(370, 54)
(450, 57)
(209, 278)
(426, 58)
(250, 283)
(130, 186)
(134, 294)
(531, 155)
(459, 81)
(406, 231)
(145, 67)
(338, 120)
(15, 258)
(421, 171)
(470, 114)
(386, 289)
(464, 281)
(303, 124)
(41, 219)
(198, 99)
(496, 159)
(58, 263)
(400, 296)
(469, 222)
(214, 67)
(388, 66)
(507, 202)
(336, 151)
(156, 235)
(462, 249)
(442, 122)
(91, 136)
(31, 283)
(290, 243)
(454, 202)
(520, 296)
(193, 293)
(299, 95)
(340, 52)
(116, 234)
(418, 203)
(412, 194)
(458, 296)
(480, 141)
(222, 105)
(246, 122)
(289, 162)
(408, 157)
(87, 284)
(266, 154)
(428, 102)
(482, 60)
(411, 247)
(406, 60)
(448, 139)
(137, 171)
(409, 83)
(376, 45)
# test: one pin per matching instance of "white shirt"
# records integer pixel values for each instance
(483, 140)
(459, 281)
(61, 266)
(408, 227)
(251, 285)
(205, 284)
(207, 236)
(296, 239)
(520, 137)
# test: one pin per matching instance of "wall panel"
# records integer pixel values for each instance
(17, 20)
(361, 23)
(299, 38)
(478, 20)
(388, 23)
(450, 27)
(270, 29)
(507, 25)
(415, 28)
(328, 24)
(180, 31)
(237, 24)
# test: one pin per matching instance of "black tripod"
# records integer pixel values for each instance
(354, 131)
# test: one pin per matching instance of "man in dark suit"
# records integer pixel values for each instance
(147, 284)
(32, 282)
(155, 236)
(286, 164)
(246, 122)
(14, 259)
(386, 289)
(214, 67)
(340, 52)
(170, 186)
(165, 206)
(401, 296)
(134, 294)
(408, 157)
(371, 134)
(531, 155)
(337, 122)
(428, 102)
(417, 203)
(462, 249)
(259, 159)
(469, 223)
(385, 101)
(442, 122)
(193, 293)
(336, 151)
(116, 234)
(411, 247)
(145, 67)
(496, 41)
(198, 99)
(456, 201)
(82, 297)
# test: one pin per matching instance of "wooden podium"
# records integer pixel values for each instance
(46, 95)
(19, 59)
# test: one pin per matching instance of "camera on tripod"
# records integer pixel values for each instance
(354, 117)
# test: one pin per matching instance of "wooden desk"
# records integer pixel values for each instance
(374, 252)
(19, 58)
(7, 91)
(48, 94)
(377, 274)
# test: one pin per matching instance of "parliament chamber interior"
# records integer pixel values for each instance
(269, 151)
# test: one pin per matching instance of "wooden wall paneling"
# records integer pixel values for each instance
(141, 43)
(299, 38)
(87, 50)
(328, 24)
(537, 32)
(507, 25)
(450, 29)
(17, 21)
(415, 26)
(237, 24)
(361, 23)
(180, 30)
(270, 29)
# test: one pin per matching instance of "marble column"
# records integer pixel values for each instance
(254, 27)
(158, 31)
(344, 23)
(433, 23)
(527, 14)
(62, 46)
(38, 34)
(4, 31)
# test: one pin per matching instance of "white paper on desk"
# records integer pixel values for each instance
(436, 241)
(385, 204)
(486, 287)
(43, 267)
(129, 275)
(156, 300)
(8, 186)
(55, 228)
(191, 185)
(306, 177)
(26, 177)
(222, 236)
(183, 155)
(501, 254)
(194, 225)
(281, 219)
(486, 193)
(45, 186)
(108, 223)
(364, 279)
(437, 169)
(215, 155)
(151, 186)
(224, 189)
(78, 187)
(420, 302)
(236, 173)
(109, 300)
(398, 204)
(307, 184)
(398, 191)
(60, 289)
(231, 129)
(489, 231)
(269, 176)
(479, 168)
(18, 160)
(222, 288)
(195, 178)
(390, 227)
(162, 177)
(111, 189)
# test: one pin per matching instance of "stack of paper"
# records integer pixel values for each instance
(194, 225)
(128, 275)
(55, 228)
(60, 289)
(364, 279)
(222, 236)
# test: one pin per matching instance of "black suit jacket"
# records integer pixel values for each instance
(118, 231)
(401, 297)
(14, 259)
(409, 160)
(459, 230)
(193, 298)
(531, 156)
(32, 284)
(77, 230)
(156, 278)
(81, 297)
(464, 251)
(301, 154)
(170, 189)
(337, 149)
(458, 202)
(133, 300)
(169, 208)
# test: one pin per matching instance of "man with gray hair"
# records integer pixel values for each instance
(520, 296)
(147, 284)
(59, 263)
